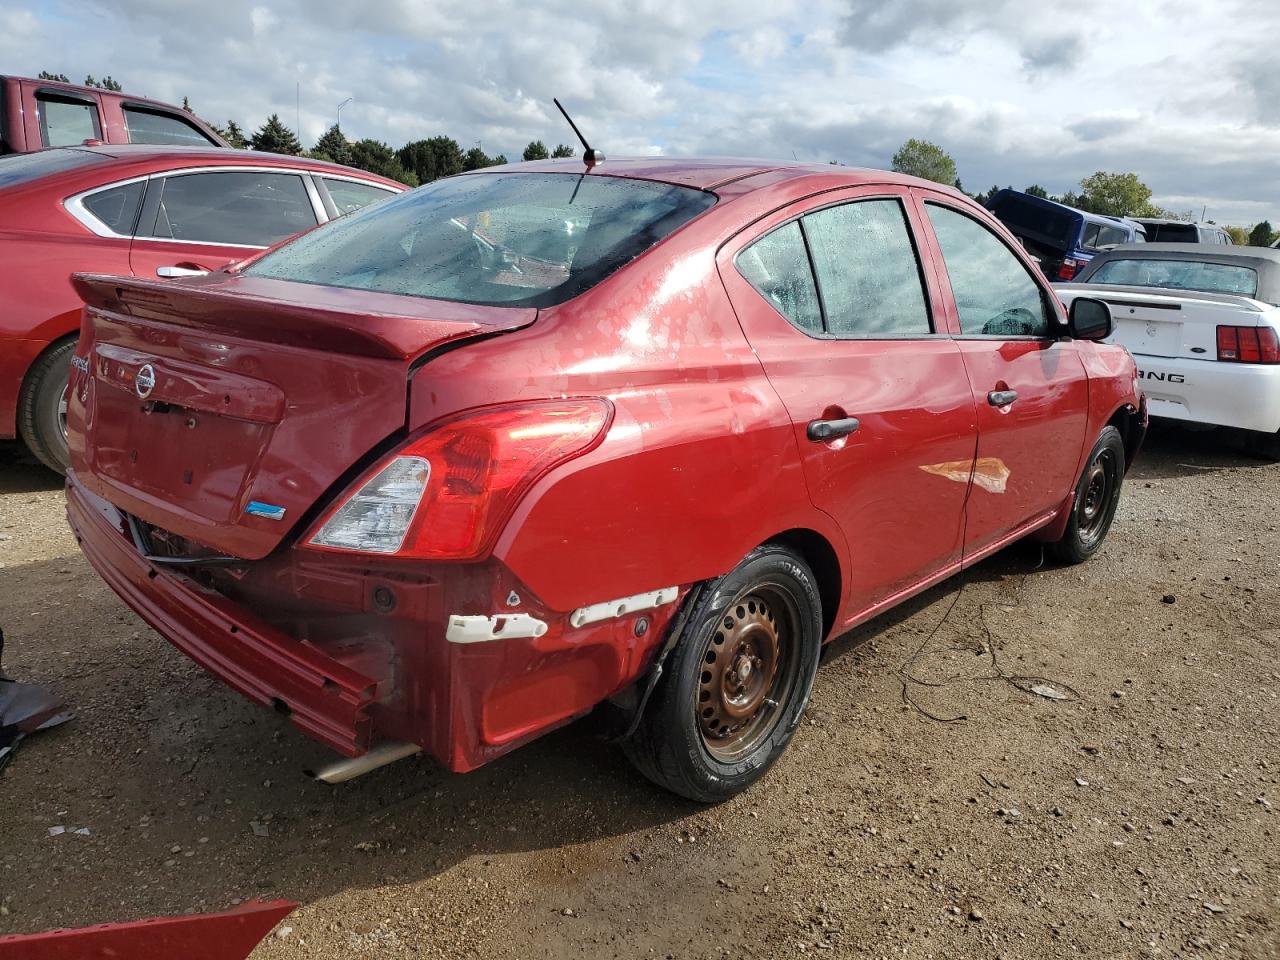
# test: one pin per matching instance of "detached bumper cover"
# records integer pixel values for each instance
(325, 698)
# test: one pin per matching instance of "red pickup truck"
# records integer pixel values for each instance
(35, 114)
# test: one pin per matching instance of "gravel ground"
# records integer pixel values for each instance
(1140, 819)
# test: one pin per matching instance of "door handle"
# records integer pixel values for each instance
(820, 430)
(1002, 398)
(179, 272)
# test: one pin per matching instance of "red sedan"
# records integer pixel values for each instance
(524, 443)
(141, 210)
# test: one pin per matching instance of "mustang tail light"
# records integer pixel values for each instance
(1248, 345)
(1070, 268)
(446, 493)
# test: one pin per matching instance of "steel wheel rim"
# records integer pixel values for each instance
(63, 401)
(748, 672)
(1100, 488)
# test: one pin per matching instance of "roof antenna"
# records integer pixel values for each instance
(589, 156)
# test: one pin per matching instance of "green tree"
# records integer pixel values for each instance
(55, 77)
(1036, 190)
(376, 157)
(1261, 235)
(562, 150)
(106, 83)
(920, 158)
(1239, 235)
(536, 150)
(234, 135)
(1117, 195)
(333, 146)
(431, 159)
(274, 137)
(500, 159)
(477, 159)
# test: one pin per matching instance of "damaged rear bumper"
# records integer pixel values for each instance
(325, 698)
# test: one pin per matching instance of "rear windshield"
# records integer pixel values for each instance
(1056, 227)
(1172, 233)
(517, 239)
(23, 167)
(1179, 275)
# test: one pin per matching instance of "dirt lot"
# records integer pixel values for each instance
(1141, 820)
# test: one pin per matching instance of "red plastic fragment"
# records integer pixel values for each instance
(209, 936)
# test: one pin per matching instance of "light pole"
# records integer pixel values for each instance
(340, 106)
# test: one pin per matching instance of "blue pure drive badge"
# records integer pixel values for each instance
(258, 509)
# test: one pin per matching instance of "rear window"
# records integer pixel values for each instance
(153, 126)
(23, 167)
(517, 239)
(1179, 275)
(1172, 233)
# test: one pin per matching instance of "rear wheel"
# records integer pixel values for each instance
(737, 681)
(42, 406)
(1266, 445)
(1097, 496)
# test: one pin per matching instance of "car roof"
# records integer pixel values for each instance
(709, 173)
(123, 160)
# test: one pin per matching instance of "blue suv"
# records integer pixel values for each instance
(1063, 239)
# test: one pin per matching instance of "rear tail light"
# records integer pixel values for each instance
(446, 494)
(1069, 269)
(1248, 345)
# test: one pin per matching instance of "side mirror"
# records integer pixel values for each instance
(1089, 319)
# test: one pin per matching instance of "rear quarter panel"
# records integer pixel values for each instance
(700, 464)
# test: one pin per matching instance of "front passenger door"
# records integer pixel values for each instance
(830, 294)
(1029, 383)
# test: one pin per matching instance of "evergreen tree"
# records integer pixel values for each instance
(477, 159)
(376, 157)
(536, 150)
(432, 159)
(1261, 235)
(333, 146)
(234, 135)
(562, 150)
(274, 137)
(106, 83)
(56, 77)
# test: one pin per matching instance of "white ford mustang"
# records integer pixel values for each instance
(1203, 324)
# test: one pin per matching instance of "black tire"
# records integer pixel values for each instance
(1266, 446)
(1097, 495)
(769, 602)
(41, 418)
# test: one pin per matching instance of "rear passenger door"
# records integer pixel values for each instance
(1029, 383)
(831, 295)
(204, 219)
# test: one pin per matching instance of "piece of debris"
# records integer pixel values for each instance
(24, 710)
(1213, 908)
(975, 915)
(567, 912)
(1049, 693)
(57, 831)
(1081, 782)
(283, 933)
(259, 829)
(1089, 748)
(1168, 598)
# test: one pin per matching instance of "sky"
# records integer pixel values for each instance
(1185, 93)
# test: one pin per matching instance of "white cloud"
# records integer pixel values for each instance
(1181, 92)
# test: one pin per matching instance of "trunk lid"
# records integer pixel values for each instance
(1169, 323)
(223, 410)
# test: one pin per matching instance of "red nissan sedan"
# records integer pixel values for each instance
(459, 468)
(145, 210)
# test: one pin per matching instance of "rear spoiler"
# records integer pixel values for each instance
(335, 320)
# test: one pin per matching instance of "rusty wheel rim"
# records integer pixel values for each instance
(748, 671)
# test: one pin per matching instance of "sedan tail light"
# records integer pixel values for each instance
(1248, 345)
(446, 494)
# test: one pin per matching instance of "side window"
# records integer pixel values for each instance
(867, 270)
(349, 196)
(248, 208)
(994, 292)
(149, 126)
(1108, 235)
(1089, 239)
(777, 265)
(117, 208)
(65, 123)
